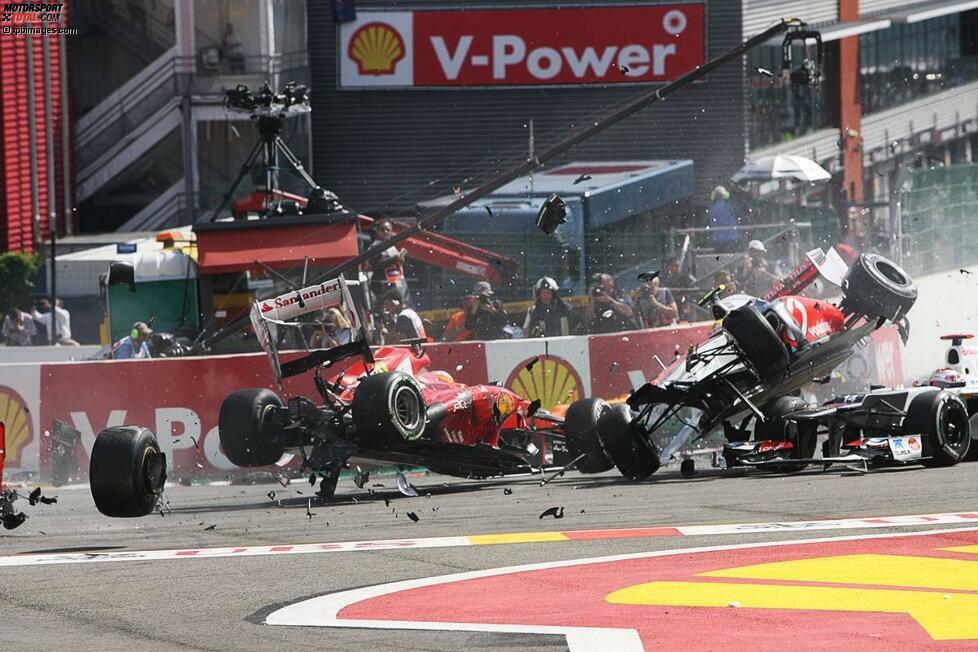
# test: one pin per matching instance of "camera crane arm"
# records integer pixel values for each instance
(785, 26)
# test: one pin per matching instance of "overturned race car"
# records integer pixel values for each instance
(743, 376)
(372, 408)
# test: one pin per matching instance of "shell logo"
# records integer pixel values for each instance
(17, 424)
(505, 405)
(376, 47)
(552, 380)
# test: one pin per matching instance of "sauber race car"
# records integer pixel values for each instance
(932, 423)
(370, 408)
(742, 377)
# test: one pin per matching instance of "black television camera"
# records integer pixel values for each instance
(294, 98)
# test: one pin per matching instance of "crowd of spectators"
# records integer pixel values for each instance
(44, 324)
(662, 298)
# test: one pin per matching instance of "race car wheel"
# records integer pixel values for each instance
(389, 407)
(943, 419)
(775, 427)
(877, 287)
(581, 435)
(635, 458)
(242, 428)
(126, 472)
(754, 336)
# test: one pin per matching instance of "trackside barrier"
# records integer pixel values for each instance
(179, 398)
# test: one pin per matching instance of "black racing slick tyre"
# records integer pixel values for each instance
(242, 427)
(877, 287)
(757, 341)
(389, 407)
(126, 472)
(581, 435)
(943, 418)
(775, 427)
(627, 447)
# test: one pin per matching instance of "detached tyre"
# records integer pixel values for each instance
(243, 428)
(389, 408)
(635, 458)
(127, 471)
(943, 418)
(775, 428)
(757, 341)
(581, 435)
(877, 287)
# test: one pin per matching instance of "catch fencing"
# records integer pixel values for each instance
(939, 219)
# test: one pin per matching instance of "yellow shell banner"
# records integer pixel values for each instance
(17, 424)
(551, 380)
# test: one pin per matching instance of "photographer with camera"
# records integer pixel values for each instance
(482, 317)
(610, 311)
(656, 305)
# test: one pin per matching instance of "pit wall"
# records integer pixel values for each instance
(947, 302)
(179, 398)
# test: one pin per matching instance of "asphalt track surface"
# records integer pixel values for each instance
(222, 602)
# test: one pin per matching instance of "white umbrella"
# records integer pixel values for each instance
(781, 166)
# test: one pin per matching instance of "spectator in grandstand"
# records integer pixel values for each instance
(398, 322)
(482, 317)
(387, 269)
(18, 328)
(135, 345)
(655, 305)
(722, 221)
(335, 331)
(549, 316)
(756, 276)
(610, 310)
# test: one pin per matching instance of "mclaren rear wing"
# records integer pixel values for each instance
(829, 265)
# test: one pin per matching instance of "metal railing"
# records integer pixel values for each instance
(162, 212)
(163, 83)
(787, 241)
(117, 116)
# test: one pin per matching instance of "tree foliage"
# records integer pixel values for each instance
(18, 272)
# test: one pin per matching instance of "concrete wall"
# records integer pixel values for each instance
(19, 354)
(947, 303)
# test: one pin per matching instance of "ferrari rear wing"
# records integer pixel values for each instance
(267, 315)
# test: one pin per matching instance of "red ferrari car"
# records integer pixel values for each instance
(370, 408)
